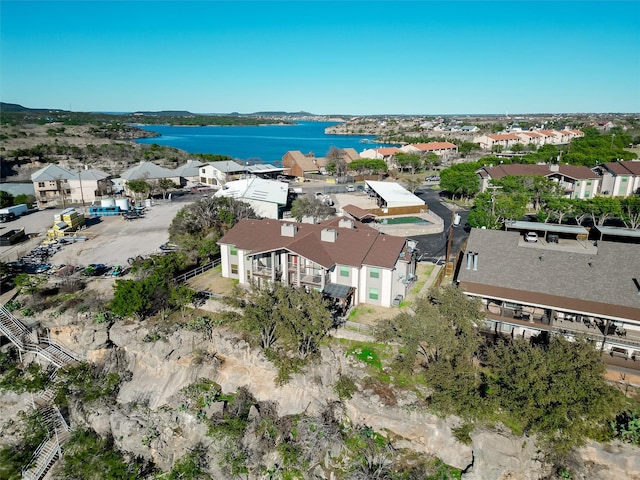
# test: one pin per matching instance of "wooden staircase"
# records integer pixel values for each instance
(27, 340)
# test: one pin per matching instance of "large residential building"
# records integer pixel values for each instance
(532, 137)
(576, 181)
(347, 261)
(442, 149)
(574, 287)
(619, 179)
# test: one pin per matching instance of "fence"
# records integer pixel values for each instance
(197, 271)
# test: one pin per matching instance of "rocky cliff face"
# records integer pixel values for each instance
(148, 418)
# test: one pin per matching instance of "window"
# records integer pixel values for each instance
(373, 294)
(586, 194)
(40, 184)
(374, 272)
(624, 179)
(588, 182)
(344, 271)
(233, 250)
(234, 269)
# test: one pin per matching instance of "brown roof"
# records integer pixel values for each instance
(306, 163)
(431, 146)
(548, 133)
(357, 212)
(504, 136)
(350, 154)
(579, 172)
(385, 151)
(623, 168)
(353, 246)
(522, 169)
(530, 134)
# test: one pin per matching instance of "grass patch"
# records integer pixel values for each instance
(367, 354)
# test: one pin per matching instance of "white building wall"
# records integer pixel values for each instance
(263, 209)
(224, 258)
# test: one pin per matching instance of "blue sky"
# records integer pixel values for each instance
(361, 57)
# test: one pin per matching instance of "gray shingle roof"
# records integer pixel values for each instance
(53, 172)
(147, 170)
(189, 169)
(602, 282)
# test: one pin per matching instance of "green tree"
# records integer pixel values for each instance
(306, 206)
(6, 199)
(335, 156)
(140, 188)
(29, 200)
(557, 390)
(631, 211)
(197, 227)
(166, 184)
(409, 161)
(461, 180)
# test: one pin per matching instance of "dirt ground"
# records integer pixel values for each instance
(28, 136)
(112, 240)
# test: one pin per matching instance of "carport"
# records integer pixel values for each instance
(552, 231)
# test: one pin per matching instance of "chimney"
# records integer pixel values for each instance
(554, 167)
(288, 230)
(328, 235)
(475, 261)
(469, 259)
(345, 223)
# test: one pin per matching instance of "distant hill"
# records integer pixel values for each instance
(297, 114)
(168, 113)
(14, 107)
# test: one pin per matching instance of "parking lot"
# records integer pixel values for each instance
(110, 240)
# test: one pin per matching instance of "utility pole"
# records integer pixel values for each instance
(448, 266)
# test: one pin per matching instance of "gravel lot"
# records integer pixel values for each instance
(110, 241)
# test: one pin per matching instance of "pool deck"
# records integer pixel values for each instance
(435, 225)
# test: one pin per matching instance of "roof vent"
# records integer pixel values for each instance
(345, 223)
(328, 235)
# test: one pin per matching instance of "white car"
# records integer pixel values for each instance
(351, 188)
(531, 237)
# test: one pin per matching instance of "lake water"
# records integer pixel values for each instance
(266, 143)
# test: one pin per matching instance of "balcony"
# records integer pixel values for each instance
(592, 328)
(261, 271)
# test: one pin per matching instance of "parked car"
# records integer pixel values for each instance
(432, 178)
(351, 188)
(531, 237)
(94, 269)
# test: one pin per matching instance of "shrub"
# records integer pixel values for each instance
(346, 387)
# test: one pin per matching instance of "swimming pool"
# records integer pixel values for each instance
(404, 221)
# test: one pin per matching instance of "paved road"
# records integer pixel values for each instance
(433, 247)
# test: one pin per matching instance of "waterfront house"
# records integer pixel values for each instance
(216, 174)
(51, 185)
(348, 262)
(296, 163)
